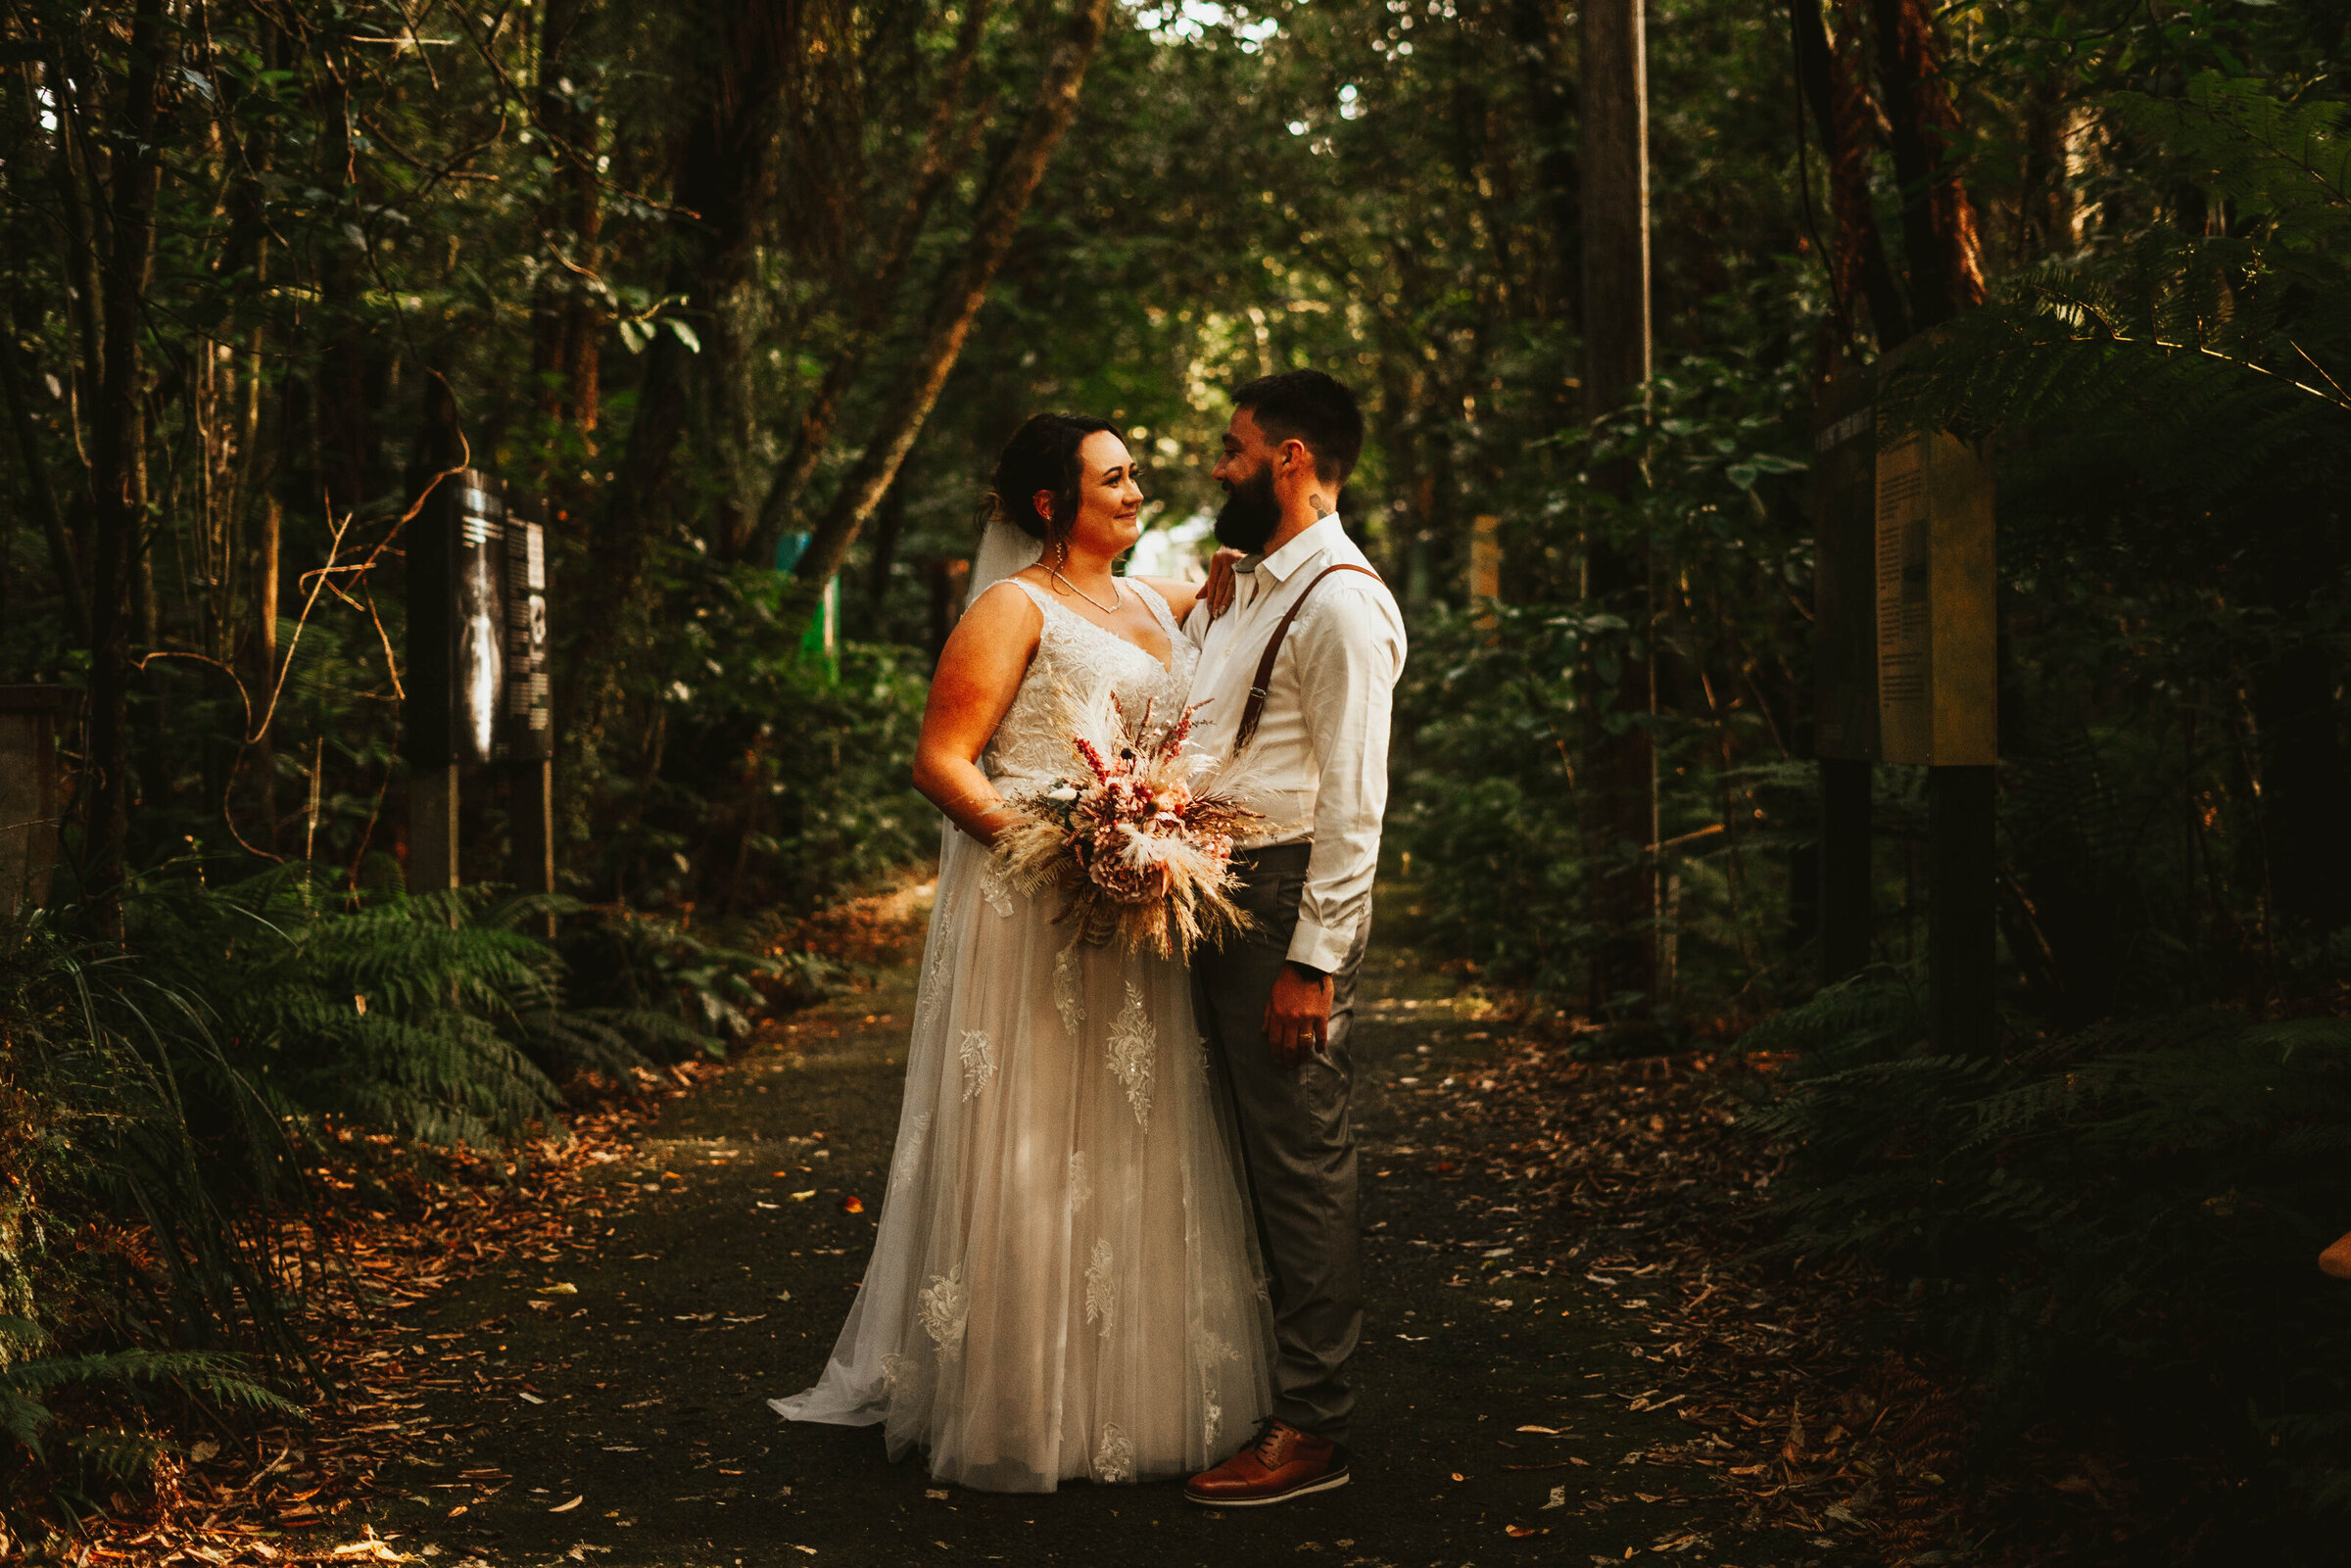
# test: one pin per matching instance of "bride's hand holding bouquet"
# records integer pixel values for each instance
(1137, 838)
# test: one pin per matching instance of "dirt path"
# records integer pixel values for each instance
(1487, 1372)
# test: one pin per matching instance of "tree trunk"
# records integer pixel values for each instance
(944, 151)
(568, 331)
(345, 400)
(723, 172)
(117, 524)
(961, 294)
(14, 384)
(1620, 819)
(1939, 242)
(1835, 91)
(1538, 29)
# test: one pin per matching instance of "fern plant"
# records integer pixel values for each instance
(2119, 1220)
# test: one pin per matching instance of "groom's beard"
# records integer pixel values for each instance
(1250, 513)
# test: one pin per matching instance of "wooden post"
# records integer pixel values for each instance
(1844, 647)
(1485, 568)
(433, 829)
(1938, 705)
(1962, 923)
(1621, 812)
(531, 819)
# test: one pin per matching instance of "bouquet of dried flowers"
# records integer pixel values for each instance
(1138, 837)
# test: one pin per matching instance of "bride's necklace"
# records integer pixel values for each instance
(1118, 599)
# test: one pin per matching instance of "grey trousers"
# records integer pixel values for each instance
(1297, 1142)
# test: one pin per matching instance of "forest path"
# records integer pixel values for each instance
(724, 1282)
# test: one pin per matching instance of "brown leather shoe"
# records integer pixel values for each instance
(1281, 1463)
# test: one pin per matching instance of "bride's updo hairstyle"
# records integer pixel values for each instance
(1042, 455)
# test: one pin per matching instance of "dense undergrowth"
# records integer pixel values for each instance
(167, 1094)
(2112, 1230)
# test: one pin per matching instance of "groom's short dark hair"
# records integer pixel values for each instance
(1309, 407)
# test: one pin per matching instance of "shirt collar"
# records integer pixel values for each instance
(1305, 547)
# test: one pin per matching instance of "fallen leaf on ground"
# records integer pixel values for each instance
(801, 1197)
(566, 1507)
(1547, 1431)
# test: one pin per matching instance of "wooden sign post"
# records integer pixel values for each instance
(478, 684)
(1905, 596)
(1938, 707)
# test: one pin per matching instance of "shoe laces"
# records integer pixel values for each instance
(1263, 1443)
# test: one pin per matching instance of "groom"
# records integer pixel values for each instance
(1296, 678)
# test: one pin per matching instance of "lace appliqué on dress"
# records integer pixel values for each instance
(935, 985)
(1067, 1000)
(1211, 1355)
(996, 886)
(917, 1133)
(1113, 1461)
(1133, 1041)
(1101, 1290)
(1082, 1182)
(894, 1371)
(944, 1310)
(979, 1062)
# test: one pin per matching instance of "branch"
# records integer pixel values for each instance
(959, 299)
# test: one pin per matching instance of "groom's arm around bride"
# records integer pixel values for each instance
(1298, 676)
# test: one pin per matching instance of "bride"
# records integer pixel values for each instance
(1064, 1282)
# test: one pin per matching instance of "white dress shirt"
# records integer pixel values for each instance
(1319, 764)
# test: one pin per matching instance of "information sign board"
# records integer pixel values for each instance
(1936, 603)
(478, 590)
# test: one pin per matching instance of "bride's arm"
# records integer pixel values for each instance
(979, 673)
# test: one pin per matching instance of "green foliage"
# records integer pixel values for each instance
(380, 1007)
(1494, 714)
(141, 1171)
(779, 784)
(681, 994)
(2118, 1223)
(39, 1440)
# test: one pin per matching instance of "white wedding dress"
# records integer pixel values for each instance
(1065, 1281)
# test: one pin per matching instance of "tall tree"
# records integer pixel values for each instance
(118, 489)
(961, 293)
(1622, 794)
(742, 56)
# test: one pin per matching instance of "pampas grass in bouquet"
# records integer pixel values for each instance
(1137, 838)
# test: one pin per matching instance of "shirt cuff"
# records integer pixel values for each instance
(1320, 948)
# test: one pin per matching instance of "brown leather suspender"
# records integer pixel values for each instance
(1255, 708)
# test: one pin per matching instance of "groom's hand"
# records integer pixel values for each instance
(1298, 1013)
(1219, 591)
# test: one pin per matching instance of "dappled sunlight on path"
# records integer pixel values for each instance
(635, 1429)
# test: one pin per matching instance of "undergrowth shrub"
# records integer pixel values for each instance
(777, 780)
(138, 1170)
(2119, 1223)
(158, 1095)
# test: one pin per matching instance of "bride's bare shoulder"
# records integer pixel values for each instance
(999, 627)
